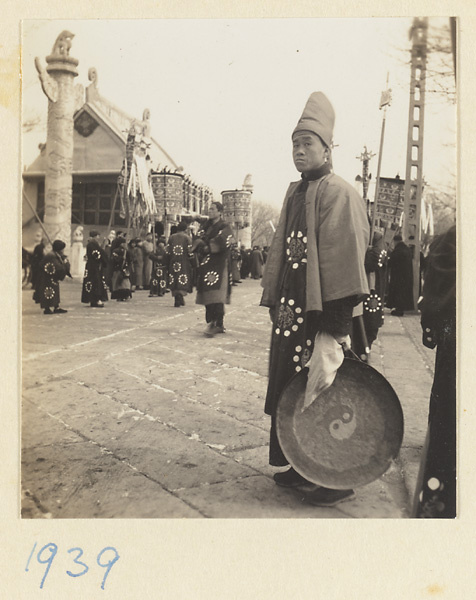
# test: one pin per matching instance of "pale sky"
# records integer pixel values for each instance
(225, 95)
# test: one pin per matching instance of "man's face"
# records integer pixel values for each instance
(309, 153)
(213, 212)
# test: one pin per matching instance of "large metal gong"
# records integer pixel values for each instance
(349, 435)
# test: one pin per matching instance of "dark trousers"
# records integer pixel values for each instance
(276, 456)
(214, 313)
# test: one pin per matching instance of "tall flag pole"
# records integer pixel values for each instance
(365, 157)
(385, 100)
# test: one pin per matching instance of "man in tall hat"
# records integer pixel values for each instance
(313, 278)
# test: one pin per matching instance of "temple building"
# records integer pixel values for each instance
(101, 135)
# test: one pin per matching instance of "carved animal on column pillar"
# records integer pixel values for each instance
(62, 46)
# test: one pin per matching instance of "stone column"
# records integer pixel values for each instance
(58, 85)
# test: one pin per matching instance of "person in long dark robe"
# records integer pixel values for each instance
(365, 327)
(435, 495)
(36, 258)
(214, 275)
(245, 262)
(159, 279)
(400, 289)
(179, 248)
(314, 276)
(235, 264)
(121, 264)
(256, 263)
(54, 267)
(94, 289)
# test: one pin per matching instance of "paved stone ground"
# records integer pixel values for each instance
(130, 412)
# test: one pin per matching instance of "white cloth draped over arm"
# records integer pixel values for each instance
(327, 357)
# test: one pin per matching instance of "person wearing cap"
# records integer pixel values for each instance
(53, 268)
(94, 290)
(213, 277)
(158, 282)
(121, 259)
(178, 250)
(314, 276)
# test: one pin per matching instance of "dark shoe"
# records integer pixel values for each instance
(397, 313)
(290, 479)
(219, 329)
(210, 330)
(326, 497)
(47, 311)
(97, 305)
(59, 310)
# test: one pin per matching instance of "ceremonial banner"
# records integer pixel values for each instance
(390, 201)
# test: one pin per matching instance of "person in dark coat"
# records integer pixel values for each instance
(121, 264)
(257, 263)
(36, 258)
(365, 327)
(313, 279)
(94, 289)
(400, 290)
(158, 282)
(214, 271)
(54, 267)
(179, 248)
(235, 264)
(435, 495)
(245, 262)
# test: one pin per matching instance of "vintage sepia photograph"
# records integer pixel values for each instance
(239, 268)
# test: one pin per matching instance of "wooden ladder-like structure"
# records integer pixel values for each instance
(414, 165)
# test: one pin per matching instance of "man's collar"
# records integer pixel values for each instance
(316, 173)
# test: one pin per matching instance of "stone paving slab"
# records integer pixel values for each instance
(47, 430)
(90, 484)
(251, 498)
(174, 459)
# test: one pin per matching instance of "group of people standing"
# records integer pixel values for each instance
(250, 261)
(177, 265)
